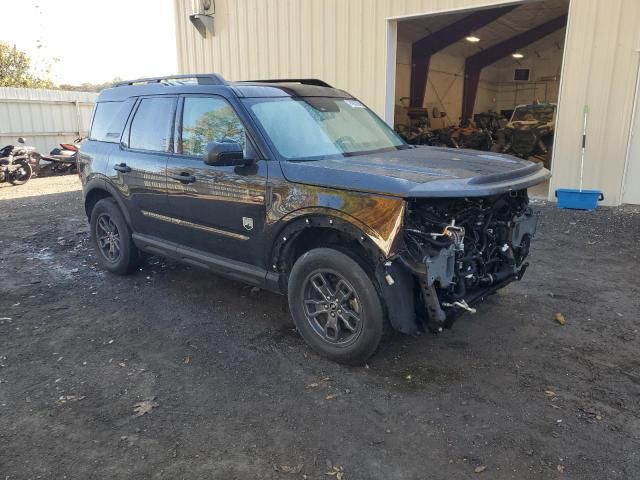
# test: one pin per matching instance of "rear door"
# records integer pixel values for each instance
(139, 166)
(218, 210)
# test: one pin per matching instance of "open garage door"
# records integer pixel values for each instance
(631, 193)
(485, 79)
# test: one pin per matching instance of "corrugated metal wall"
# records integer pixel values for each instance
(341, 41)
(600, 70)
(44, 117)
(344, 42)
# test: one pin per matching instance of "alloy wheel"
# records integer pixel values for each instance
(332, 307)
(108, 238)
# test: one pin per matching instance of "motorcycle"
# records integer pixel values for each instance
(18, 162)
(467, 135)
(64, 159)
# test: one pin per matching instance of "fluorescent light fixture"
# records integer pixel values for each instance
(517, 55)
(472, 39)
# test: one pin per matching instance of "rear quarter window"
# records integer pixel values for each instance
(109, 120)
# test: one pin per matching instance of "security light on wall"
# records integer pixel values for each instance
(472, 39)
(517, 55)
(203, 20)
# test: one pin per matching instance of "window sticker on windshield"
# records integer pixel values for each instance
(354, 103)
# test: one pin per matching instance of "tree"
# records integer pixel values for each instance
(89, 87)
(15, 69)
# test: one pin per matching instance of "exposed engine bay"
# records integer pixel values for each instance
(463, 249)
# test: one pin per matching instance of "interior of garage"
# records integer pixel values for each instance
(461, 75)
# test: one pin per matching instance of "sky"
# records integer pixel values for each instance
(93, 41)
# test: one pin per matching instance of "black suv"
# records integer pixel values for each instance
(298, 188)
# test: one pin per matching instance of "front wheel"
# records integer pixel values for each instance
(335, 306)
(22, 174)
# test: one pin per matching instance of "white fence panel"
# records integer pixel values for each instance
(44, 117)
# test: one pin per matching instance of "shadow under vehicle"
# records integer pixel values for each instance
(298, 188)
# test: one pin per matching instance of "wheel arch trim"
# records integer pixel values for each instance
(300, 220)
(99, 184)
(333, 218)
(398, 295)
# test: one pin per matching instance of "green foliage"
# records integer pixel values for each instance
(15, 68)
(90, 87)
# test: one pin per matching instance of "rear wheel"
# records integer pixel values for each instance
(112, 238)
(336, 306)
(22, 175)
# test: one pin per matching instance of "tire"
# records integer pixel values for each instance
(111, 238)
(548, 157)
(24, 178)
(344, 322)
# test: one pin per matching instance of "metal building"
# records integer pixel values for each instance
(45, 117)
(356, 45)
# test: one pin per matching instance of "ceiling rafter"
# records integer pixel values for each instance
(424, 48)
(475, 63)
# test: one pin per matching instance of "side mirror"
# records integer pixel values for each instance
(21, 140)
(222, 154)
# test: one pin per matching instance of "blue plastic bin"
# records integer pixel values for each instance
(579, 200)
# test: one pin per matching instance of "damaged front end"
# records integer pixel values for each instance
(463, 249)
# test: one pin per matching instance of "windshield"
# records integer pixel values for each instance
(538, 114)
(312, 128)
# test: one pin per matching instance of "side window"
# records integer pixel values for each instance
(152, 124)
(109, 120)
(209, 119)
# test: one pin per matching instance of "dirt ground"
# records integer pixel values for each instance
(232, 392)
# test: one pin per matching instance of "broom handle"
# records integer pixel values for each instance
(584, 143)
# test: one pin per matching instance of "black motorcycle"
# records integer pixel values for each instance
(64, 158)
(18, 162)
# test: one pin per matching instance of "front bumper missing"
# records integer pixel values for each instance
(441, 315)
(437, 273)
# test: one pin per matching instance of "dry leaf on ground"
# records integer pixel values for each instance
(144, 407)
(318, 383)
(560, 318)
(480, 469)
(338, 472)
(292, 468)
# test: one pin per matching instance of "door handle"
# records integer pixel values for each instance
(184, 177)
(122, 167)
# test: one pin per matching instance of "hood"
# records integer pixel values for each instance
(420, 172)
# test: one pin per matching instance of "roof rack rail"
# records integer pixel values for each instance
(203, 79)
(303, 81)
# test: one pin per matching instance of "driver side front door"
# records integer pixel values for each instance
(216, 210)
